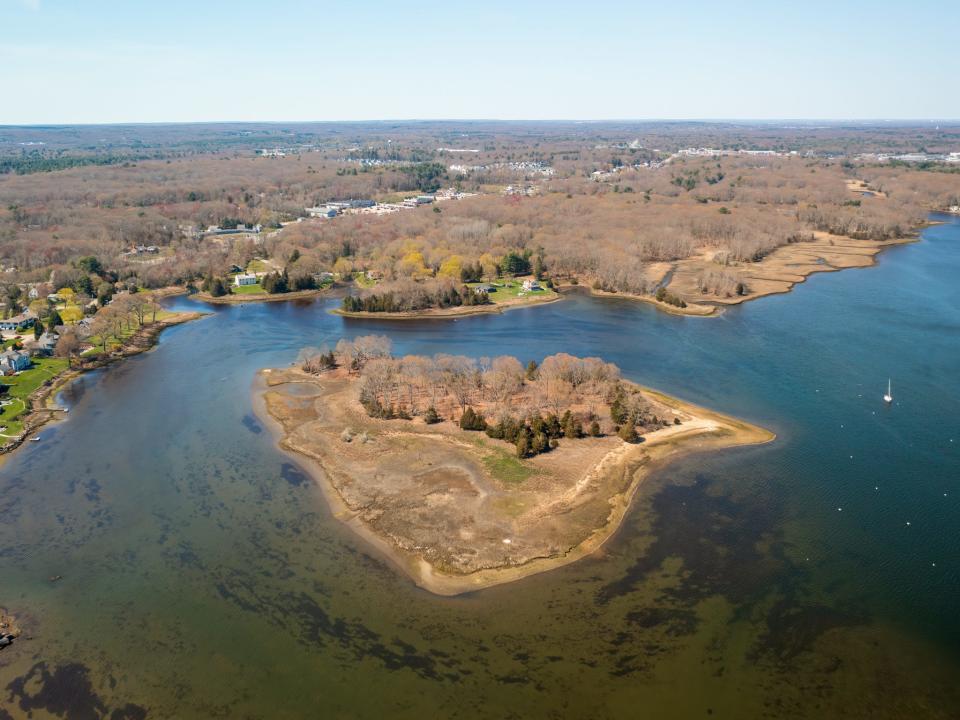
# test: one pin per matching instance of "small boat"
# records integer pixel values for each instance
(888, 398)
(34, 439)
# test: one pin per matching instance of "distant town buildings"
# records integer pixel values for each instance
(525, 190)
(528, 168)
(371, 207)
(917, 157)
(714, 152)
(142, 250)
(322, 211)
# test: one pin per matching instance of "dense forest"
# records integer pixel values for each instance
(592, 205)
(530, 406)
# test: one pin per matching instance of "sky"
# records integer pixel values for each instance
(100, 61)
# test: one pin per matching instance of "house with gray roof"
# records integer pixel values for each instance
(12, 361)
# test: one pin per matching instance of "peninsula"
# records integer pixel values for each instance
(468, 474)
(438, 299)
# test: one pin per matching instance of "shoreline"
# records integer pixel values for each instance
(446, 313)
(707, 431)
(804, 274)
(789, 277)
(692, 309)
(42, 408)
(259, 297)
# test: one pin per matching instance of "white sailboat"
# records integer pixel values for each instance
(888, 398)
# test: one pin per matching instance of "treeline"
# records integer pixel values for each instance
(743, 209)
(282, 282)
(274, 283)
(25, 165)
(537, 434)
(738, 208)
(425, 175)
(530, 406)
(408, 296)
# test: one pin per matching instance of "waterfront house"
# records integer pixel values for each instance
(245, 279)
(12, 361)
(530, 285)
(484, 288)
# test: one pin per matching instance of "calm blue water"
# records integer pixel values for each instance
(203, 575)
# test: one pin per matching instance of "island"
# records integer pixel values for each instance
(470, 474)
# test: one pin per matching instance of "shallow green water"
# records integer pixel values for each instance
(204, 577)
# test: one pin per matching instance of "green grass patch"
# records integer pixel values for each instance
(22, 386)
(512, 290)
(363, 281)
(257, 266)
(505, 467)
(255, 289)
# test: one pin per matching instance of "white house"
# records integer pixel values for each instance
(245, 279)
(529, 285)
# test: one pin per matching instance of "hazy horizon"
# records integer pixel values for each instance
(867, 122)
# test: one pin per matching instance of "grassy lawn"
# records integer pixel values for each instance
(506, 467)
(512, 290)
(362, 281)
(502, 464)
(255, 289)
(22, 385)
(257, 266)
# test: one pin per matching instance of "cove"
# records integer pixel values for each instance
(203, 575)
